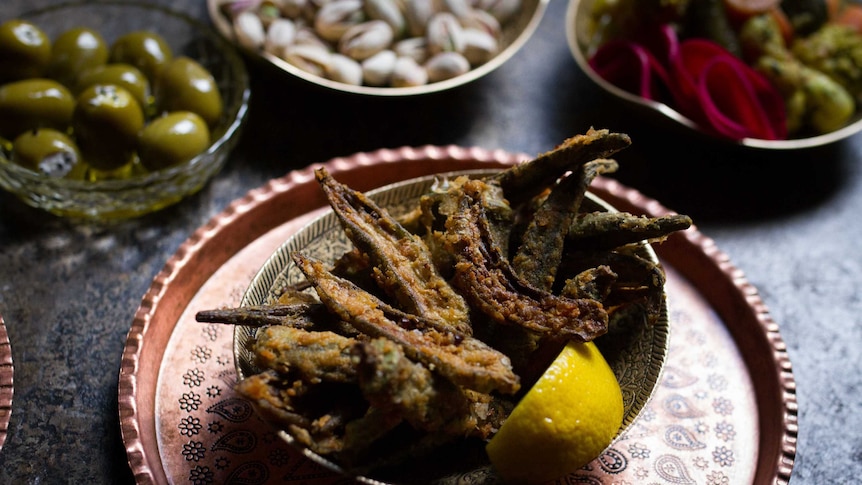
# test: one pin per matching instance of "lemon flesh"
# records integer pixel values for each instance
(565, 420)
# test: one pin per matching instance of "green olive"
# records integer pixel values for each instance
(185, 85)
(47, 151)
(146, 50)
(172, 139)
(106, 123)
(75, 51)
(34, 103)
(25, 50)
(124, 75)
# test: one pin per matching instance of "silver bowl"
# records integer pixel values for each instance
(636, 352)
(578, 33)
(515, 34)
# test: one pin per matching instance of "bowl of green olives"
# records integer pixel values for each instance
(111, 110)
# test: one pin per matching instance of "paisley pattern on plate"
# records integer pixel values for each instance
(635, 351)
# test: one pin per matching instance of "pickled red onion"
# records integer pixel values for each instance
(708, 83)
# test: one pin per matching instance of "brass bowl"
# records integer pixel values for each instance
(141, 193)
(515, 34)
(636, 353)
(579, 28)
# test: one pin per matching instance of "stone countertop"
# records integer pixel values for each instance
(789, 221)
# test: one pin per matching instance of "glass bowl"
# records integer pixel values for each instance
(636, 350)
(580, 23)
(515, 33)
(143, 192)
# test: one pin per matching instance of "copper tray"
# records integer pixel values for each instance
(6, 373)
(725, 411)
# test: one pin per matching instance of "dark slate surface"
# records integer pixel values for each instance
(790, 221)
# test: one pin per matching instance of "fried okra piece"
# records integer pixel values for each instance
(543, 241)
(397, 385)
(313, 357)
(466, 361)
(315, 415)
(490, 285)
(609, 230)
(527, 180)
(401, 263)
(636, 280)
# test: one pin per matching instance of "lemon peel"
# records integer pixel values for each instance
(565, 420)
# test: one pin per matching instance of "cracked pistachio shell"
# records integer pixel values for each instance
(445, 34)
(482, 20)
(479, 46)
(446, 65)
(366, 39)
(377, 69)
(415, 47)
(407, 73)
(280, 34)
(307, 36)
(389, 11)
(418, 13)
(311, 58)
(249, 30)
(337, 17)
(459, 8)
(344, 70)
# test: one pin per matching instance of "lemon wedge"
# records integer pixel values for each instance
(565, 420)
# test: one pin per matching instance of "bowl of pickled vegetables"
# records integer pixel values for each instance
(111, 110)
(765, 74)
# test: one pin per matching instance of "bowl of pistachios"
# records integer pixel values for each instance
(380, 47)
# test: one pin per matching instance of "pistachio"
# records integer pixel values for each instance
(479, 46)
(445, 33)
(311, 58)
(418, 13)
(248, 29)
(280, 34)
(415, 47)
(407, 73)
(377, 69)
(459, 8)
(366, 39)
(389, 11)
(337, 17)
(306, 35)
(482, 20)
(344, 70)
(446, 65)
